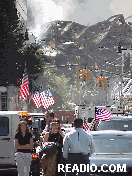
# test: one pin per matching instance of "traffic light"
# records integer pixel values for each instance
(102, 81)
(81, 75)
(85, 75)
(99, 82)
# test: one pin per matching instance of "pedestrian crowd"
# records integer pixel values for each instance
(74, 147)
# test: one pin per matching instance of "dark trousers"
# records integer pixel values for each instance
(61, 173)
(78, 159)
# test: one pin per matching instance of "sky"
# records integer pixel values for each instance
(85, 12)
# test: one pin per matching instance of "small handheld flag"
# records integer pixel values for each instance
(102, 114)
(86, 126)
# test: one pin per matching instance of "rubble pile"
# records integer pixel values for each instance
(96, 44)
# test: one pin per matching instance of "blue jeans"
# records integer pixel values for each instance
(78, 159)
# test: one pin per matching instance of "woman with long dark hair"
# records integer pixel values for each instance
(55, 135)
(24, 146)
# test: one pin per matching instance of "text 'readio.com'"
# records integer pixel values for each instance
(91, 168)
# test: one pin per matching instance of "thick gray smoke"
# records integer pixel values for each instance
(86, 12)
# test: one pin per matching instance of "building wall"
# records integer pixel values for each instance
(9, 98)
(65, 116)
(21, 6)
(13, 101)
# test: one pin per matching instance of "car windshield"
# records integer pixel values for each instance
(123, 125)
(113, 144)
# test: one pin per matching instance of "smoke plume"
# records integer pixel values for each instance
(86, 12)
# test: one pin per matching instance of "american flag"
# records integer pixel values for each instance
(24, 87)
(36, 99)
(46, 98)
(102, 114)
(86, 126)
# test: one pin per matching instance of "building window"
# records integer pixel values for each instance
(3, 101)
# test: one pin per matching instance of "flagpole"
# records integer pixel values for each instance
(24, 89)
(40, 101)
(27, 103)
(27, 96)
(18, 100)
(21, 104)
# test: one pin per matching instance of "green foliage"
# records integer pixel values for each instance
(35, 60)
(10, 42)
(60, 88)
(13, 53)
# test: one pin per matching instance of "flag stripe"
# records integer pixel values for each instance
(102, 114)
(86, 126)
(24, 87)
(36, 100)
(46, 99)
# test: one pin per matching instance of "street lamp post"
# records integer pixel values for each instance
(122, 52)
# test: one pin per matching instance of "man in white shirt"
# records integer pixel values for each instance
(78, 146)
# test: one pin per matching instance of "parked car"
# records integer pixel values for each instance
(113, 153)
(121, 123)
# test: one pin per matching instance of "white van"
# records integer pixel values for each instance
(8, 124)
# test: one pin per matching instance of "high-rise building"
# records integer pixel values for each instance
(21, 6)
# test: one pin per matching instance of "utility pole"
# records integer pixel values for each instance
(77, 71)
(77, 76)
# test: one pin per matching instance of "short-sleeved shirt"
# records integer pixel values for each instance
(23, 141)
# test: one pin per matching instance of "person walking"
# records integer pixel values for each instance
(24, 145)
(49, 116)
(55, 135)
(78, 146)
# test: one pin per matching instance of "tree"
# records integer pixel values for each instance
(35, 61)
(14, 52)
(10, 41)
(60, 87)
